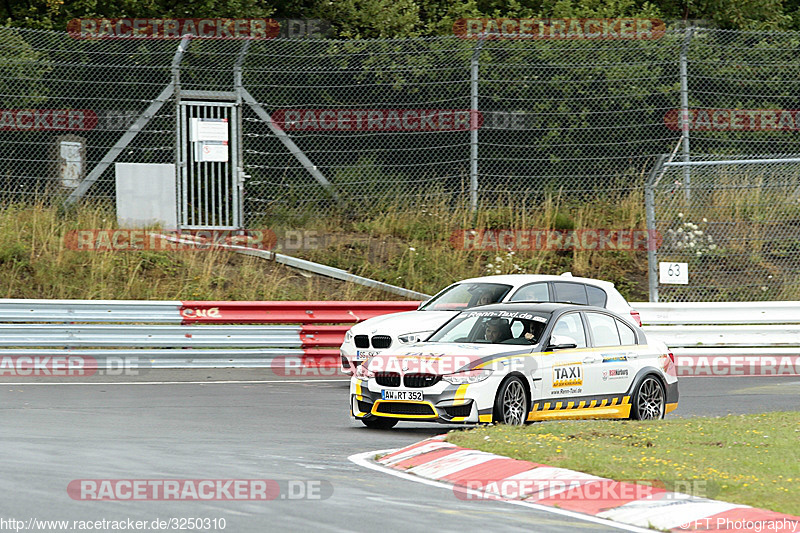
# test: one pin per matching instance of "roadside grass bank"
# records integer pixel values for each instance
(393, 243)
(746, 459)
(36, 263)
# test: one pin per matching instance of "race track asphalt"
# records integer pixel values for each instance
(207, 424)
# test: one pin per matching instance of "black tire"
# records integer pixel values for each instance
(649, 400)
(511, 403)
(378, 422)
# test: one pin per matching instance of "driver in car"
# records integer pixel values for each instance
(486, 297)
(497, 330)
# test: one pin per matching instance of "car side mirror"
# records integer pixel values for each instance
(561, 342)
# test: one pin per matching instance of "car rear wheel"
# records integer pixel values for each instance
(377, 422)
(511, 403)
(649, 401)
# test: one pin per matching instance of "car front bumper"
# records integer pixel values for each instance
(442, 402)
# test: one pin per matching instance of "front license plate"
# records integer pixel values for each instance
(407, 395)
(363, 355)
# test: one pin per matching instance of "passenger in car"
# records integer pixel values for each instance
(530, 333)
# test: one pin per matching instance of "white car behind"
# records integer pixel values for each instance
(378, 335)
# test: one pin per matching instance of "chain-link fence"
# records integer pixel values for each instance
(551, 115)
(471, 122)
(734, 230)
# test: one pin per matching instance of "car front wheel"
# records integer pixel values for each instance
(649, 400)
(511, 403)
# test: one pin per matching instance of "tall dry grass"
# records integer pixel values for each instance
(404, 246)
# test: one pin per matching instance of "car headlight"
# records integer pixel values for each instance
(470, 376)
(348, 336)
(364, 373)
(411, 338)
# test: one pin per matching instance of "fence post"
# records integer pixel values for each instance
(132, 131)
(687, 178)
(238, 85)
(650, 217)
(473, 125)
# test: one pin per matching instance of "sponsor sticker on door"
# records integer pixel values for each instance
(615, 373)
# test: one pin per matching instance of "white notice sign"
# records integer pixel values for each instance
(673, 273)
(206, 152)
(209, 129)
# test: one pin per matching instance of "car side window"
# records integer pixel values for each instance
(571, 325)
(462, 331)
(533, 292)
(570, 293)
(604, 329)
(597, 296)
(626, 334)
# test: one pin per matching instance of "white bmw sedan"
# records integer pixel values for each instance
(514, 363)
(382, 334)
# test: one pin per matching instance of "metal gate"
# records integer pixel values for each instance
(730, 235)
(208, 161)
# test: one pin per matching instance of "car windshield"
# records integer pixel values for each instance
(465, 295)
(494, 327)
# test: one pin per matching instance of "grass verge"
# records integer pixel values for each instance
(747, 459)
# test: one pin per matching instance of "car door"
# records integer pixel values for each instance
(611, 370)
(563, 370)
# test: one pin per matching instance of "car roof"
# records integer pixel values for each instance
(522, 279)
(543, 307)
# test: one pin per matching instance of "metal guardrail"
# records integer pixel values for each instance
(721, 338)
(13, 310)
(719, 313)
(84, 336)
(708, 326)
(181, 334)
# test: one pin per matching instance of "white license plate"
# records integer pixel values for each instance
(407, 395)
(363, 355)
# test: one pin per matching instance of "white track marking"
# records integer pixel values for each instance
(364, 459)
